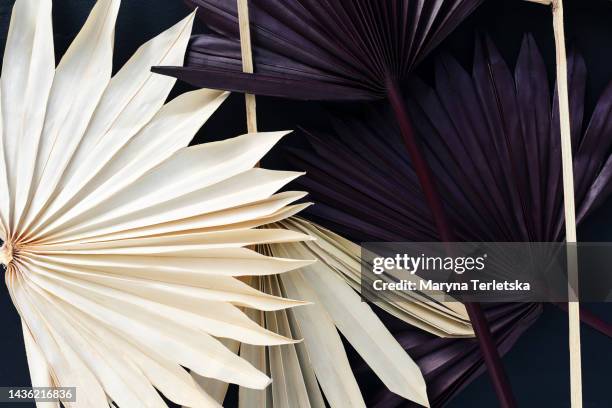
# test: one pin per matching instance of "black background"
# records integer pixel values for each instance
(538, 364)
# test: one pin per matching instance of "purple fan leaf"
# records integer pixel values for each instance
(354, 47)
(491, 139)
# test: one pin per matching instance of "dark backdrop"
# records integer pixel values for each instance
(538, 364)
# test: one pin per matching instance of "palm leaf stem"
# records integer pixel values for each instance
(434, 201)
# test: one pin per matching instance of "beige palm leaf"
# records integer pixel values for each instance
(124, 247)
(343, 258)
(304, 373)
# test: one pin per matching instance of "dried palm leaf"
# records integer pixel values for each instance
(318, 49)
(317, 370)
(449, 365)
(122, 245)
(339, 306)
(492, 143)
(343, 258)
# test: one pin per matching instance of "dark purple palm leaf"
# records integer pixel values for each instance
(492, 142)
(491, 139)
(318, 49)
(448, 365)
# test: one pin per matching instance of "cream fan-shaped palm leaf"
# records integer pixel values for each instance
(316, 370)
(122, 245)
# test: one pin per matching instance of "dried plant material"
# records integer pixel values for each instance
(449, 365)
(323, 284)
(312, 49)
(123, 245)
(298, 370)
(342, 257)
(568, 202)
(492, 144)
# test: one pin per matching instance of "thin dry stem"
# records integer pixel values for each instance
(247, 61)
(569, 205)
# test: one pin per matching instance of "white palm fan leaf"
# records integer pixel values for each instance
(123, 247)
(307, 374)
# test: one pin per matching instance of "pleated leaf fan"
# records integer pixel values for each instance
(123, 247)
(493, 145)
(318, 369)
(313, 49)
(489, 138)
